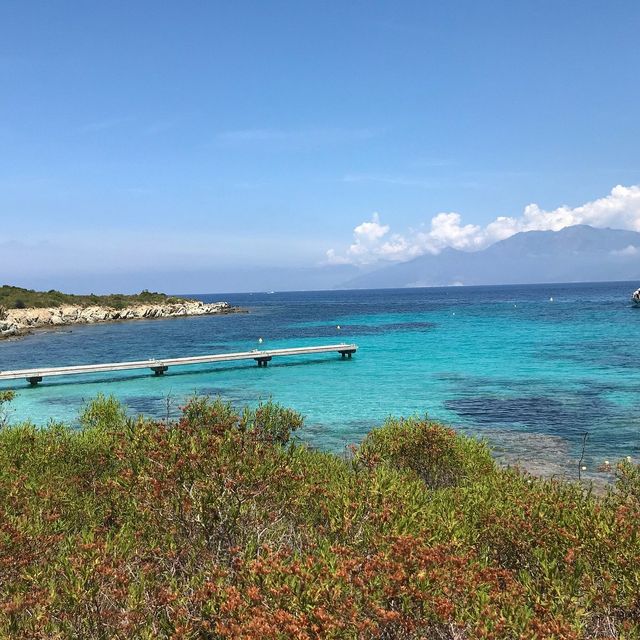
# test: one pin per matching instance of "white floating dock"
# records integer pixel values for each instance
(33, 376)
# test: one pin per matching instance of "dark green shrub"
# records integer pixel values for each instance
(437, 454)
(202, 412)
(270, 422)
(103, 412)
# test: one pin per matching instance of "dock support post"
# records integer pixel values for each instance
(262, 362)
(33, 380)
(160, 370)
(346, 353)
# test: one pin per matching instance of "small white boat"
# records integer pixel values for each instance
(635, 298)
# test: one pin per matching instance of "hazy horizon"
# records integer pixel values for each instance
(603, 255)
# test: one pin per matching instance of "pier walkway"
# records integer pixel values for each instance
(159, 367)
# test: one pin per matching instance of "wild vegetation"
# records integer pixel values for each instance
(19, 298)
(221, 525)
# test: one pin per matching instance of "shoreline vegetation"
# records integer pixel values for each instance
(23, 310)
(220, 524)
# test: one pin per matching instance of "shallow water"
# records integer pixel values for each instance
(531, 374)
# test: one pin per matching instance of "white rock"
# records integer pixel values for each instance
(19, 320)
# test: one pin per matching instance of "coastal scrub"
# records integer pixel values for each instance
(20, 298)
(221, 525)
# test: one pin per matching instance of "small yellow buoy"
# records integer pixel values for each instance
(338, 327)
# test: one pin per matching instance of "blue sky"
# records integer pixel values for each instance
(201, 136)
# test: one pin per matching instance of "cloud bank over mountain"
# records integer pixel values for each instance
(373, 241)
(578, 253)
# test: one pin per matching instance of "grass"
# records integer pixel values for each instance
(220, 525)
(19, 298)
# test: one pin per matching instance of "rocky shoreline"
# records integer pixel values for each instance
(18, 322)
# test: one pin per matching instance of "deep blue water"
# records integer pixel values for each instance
(529, 373)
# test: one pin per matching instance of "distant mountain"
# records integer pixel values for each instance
(573, 254)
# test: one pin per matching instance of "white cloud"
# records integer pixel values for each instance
(373, 241)
(371, 231)
(631, 250)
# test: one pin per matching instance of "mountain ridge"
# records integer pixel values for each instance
(572, 254)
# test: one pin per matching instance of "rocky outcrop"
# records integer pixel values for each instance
(16, 322)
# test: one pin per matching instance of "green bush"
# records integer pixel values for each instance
(268, 422)
(103, 413)
(203, 412)
(438, 455)
(271, 423)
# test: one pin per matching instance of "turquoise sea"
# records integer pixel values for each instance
(531, 368)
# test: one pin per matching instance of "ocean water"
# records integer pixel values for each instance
(530, 368)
